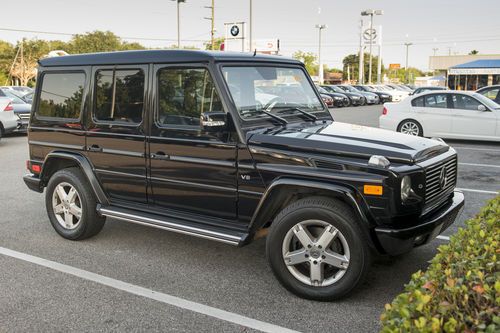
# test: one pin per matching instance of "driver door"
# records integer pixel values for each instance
(469, 122)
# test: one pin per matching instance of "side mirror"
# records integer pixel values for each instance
(481, 107)
(215, 121)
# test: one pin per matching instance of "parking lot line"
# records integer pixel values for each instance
(472, 148)
(477, 191)
(148, 293)
(480, 165)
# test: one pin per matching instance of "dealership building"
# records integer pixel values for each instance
(468, 72)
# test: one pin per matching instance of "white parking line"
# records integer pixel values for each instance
(481, 149)
(477, 191)
(443, 237)
(480, 165)
(148, 293)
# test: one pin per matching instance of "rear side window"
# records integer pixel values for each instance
(119, 95)
(61, 95)
(418, 102)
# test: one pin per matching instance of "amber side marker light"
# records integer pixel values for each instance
(373, 189)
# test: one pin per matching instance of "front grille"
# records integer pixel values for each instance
(436, 190)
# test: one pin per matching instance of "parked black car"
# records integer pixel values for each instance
(340, 100)
(492, 92)
(179, 140)
(383, 97)
(355, 98)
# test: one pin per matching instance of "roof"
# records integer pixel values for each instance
(158, 56)
(483, 63)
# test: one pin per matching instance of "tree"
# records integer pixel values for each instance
(7, 53)
(310, 61)
(473, 52)
(96, 41)
(217, 43)
(25, 62)
(351, 61)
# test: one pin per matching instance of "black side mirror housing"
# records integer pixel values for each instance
(215, 121)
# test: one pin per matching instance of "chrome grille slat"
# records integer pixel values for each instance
(434, 194)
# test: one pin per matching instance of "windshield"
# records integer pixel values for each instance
(486, 101)
(273, 89)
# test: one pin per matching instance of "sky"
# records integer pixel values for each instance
(453, 27)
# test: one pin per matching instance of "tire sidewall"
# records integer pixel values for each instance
(358, 254)
(68, 176)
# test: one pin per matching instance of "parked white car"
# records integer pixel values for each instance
(444, 114)
(397, 95)
(8, 119)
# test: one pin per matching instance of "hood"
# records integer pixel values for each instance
(343, 139)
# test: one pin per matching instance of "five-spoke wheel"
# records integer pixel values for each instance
(67, 205)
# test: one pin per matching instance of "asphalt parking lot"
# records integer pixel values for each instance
(133, 278)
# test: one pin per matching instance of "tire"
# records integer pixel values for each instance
(363, 101)
(316, 215)
(82, 225)
(410, 127)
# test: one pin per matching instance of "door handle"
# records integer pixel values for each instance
(95, 148)
(160, 156)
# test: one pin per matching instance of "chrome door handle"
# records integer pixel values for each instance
(160, 156)
(95, 148)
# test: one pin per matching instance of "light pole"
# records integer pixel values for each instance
(178, 24)
(320, 70)
(406, 63)
(371, 12)
(250, 27)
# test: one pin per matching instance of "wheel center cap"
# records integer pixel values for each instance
(315, 253)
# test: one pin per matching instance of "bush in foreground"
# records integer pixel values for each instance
(460, 291)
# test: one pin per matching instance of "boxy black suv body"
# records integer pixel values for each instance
(232, 147)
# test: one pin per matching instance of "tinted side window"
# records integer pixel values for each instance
(491, 93)
(418, 102)
(436, 101)
(464, 102)
(119, 95)
(184, 94)
(61, 95)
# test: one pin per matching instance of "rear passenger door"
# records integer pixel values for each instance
(115, 136)
(435, 114)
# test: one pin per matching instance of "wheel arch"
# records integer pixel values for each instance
(286, 190)
(58, 160)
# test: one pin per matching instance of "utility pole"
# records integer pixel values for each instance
(406, 64)
(178, 23)
(435, 49)
(250, 27)
(361, 67)
(320, 70)
(379, 62)
(212, 19)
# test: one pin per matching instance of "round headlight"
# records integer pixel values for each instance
(405, 188)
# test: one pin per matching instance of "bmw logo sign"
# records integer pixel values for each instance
(235, 30)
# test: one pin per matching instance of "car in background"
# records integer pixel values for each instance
(399, 87)
(445, 114)
(22, 90)
(396, 95)
(492, 92)
(354, 98)
(382, 96)
(28, 98)
(420, 90)
(21, 109)
(8, 120)
(328, 100)
(370, 98)
(339, 100)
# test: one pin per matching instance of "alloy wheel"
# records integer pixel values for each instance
(410, 128)
(67, 206)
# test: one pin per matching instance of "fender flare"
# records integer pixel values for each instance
(346, 193)
(84, 165)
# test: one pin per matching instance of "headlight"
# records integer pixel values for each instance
(338, 98)
(405, 188)
(355, 97)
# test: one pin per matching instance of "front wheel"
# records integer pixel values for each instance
(316, 249)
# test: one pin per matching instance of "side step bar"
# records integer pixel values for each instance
(231, 237)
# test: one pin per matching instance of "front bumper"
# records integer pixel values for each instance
(22, 125)
(33, 183)
(396, 241)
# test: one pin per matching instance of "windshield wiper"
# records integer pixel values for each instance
(305, 113)
(283, 121)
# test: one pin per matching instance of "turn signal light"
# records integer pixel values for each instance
(373, 189)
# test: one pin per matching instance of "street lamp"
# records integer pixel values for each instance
(371, 12)
(320, 71)
(178, 24)
(406, 64)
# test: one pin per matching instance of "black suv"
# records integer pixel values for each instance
(232, 147)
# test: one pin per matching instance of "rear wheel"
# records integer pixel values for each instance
(316, 249)
(410, 127)
(71, 205)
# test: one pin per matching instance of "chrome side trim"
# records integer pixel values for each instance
(171, 226)
(175, 181)
(202, 161)
(57, 145)
(122, 152)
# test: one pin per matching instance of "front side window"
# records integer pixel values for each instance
(491, 93)
(184, 94)
(119, 95)
(464, 102)
(436, 101)
(280, 90)
(61, 95)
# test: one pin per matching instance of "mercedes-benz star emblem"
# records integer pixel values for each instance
(443, 178)
(235, 30)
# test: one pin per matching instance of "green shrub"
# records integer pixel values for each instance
(460, 291)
